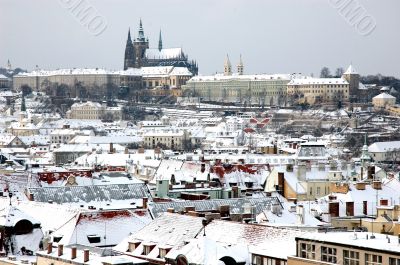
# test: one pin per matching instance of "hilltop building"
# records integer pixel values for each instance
(138, 54)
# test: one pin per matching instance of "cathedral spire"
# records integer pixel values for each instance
(160, 42)
(129, 36)
(141, 32)
(227, 66)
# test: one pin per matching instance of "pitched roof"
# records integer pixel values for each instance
(236, 205)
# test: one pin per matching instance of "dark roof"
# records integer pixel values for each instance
(236, 205)
(87, 194)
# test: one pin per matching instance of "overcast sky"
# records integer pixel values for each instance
(273, 36)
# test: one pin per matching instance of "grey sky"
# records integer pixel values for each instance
(273, 36)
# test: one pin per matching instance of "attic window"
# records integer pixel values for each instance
(93, 238)
(147, 248)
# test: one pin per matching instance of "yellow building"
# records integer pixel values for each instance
(346, 248)
(318, 90)
(383, 101)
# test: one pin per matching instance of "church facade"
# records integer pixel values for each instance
(138, 54)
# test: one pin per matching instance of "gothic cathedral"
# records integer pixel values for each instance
(138, 54)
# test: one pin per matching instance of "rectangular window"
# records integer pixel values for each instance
(371, 259)
(351, 257)
(307, 250)
(394, 261)
(328, 254)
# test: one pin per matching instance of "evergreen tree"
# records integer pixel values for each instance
(23, 107)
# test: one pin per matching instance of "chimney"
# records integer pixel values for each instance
(49, 247)
(85, 255)
(377, 184)
(170, 210)
(360, 185)
(60, 249)
(126, 150)
(111, 148)
(235, 191)
(73, 253)
(301, 171)
(145, 200)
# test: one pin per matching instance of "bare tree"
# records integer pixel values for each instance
(325, 72)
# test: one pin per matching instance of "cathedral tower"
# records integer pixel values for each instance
(129, 58)
(240, 66)
(140, 44)
(227, 66)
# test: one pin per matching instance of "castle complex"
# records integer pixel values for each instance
(138, 54)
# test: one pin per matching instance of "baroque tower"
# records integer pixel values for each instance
(227, 66)
(140, 44)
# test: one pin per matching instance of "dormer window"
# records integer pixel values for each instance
(147, 248)
(94, 238)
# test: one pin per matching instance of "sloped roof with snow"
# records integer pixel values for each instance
(236, 205)
(384, 96)
(112, 226)
(88, 194)
(380, 147)
(350, 70)
(167, 53)
(220, 77)
(318, 81)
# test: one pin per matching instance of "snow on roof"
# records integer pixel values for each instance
(3, 77)
(150, 71)
(74, 71)
(112, 226)
(389, 191)
(380, 147)
(384, 96)
(203, 250)
(115, 139)
(350, 70)
(236, 205)
(11, 215)
(269, 241)
(166, 53)
(166, 230)
(318, 81)
(357, 239)
(88, 103)
(90, 194)
(221, 77)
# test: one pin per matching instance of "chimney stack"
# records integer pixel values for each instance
(145, 200)
(85, 255)
(111, 148)
(73, 253)
(377, 184)
(49, 247)
(60, 249)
